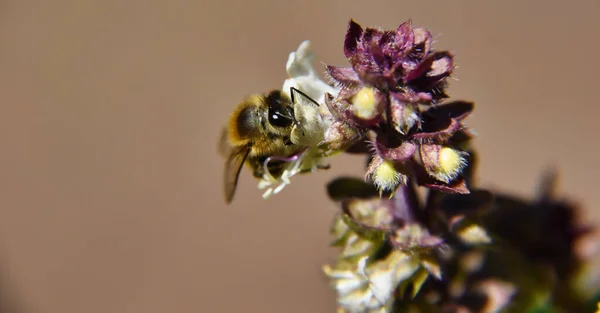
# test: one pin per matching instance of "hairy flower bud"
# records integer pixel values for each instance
(472, 234)
(385, 174)
(340, 136)
(364, 103)
(443, 163)
(404, 116)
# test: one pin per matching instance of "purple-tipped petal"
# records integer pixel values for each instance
(377, 54)
(442, 66)
(391, 151)
(410, 96)
(369, 214)
(404, 39)
(353, 34)
(457, 110)
(438, 130)
(415, 238)
(387, 38)
(336, 107)
(457, 186)
(347, 93)
(430, 76)
(340, 136)
(420, 70)
(430, 157)
(366, 68)
(370, 36)
(422, 43)
(344, 76)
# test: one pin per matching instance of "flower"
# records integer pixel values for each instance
(370, 287)
(385, 249)
(312, 121)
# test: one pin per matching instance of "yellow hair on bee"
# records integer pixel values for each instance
(238, 134)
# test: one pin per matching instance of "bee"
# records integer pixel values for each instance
(261, 126)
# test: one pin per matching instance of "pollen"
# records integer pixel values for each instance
(364, 103)
(451, 161)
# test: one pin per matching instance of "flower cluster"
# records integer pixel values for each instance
(446, 252)
(390, 247)
(456, 249)
(392, 93)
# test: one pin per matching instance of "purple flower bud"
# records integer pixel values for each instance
(414, 238)
(340, 135)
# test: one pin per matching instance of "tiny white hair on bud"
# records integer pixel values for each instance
(457, 161)
(386, 177)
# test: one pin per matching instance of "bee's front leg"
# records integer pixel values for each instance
(274, 167)
(287, 141)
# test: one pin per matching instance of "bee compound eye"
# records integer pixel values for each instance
(278, 118)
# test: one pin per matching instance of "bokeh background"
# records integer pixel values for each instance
(110, 183)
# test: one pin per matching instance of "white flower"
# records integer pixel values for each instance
(370, 288)
(313, 121)
(303, 76)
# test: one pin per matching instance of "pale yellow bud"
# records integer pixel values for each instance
(474, 234)
(451, 161)
(443, 163)
(386, 177)
(364, 103)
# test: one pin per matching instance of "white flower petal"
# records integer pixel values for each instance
(303, 76)
(313, 121)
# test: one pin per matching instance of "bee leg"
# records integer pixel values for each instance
(274, 167)
(287, 141)
(258, 172)
(257, 167)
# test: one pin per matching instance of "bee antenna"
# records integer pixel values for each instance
(294, 90)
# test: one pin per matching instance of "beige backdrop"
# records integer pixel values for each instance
(111, 110)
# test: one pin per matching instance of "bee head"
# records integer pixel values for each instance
(259, 116)
(280, 112)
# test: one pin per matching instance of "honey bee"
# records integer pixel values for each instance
(261, 126)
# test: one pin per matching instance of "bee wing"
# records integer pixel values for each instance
(224, 148)
(233, 166)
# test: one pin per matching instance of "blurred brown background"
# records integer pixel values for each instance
(111, 110)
